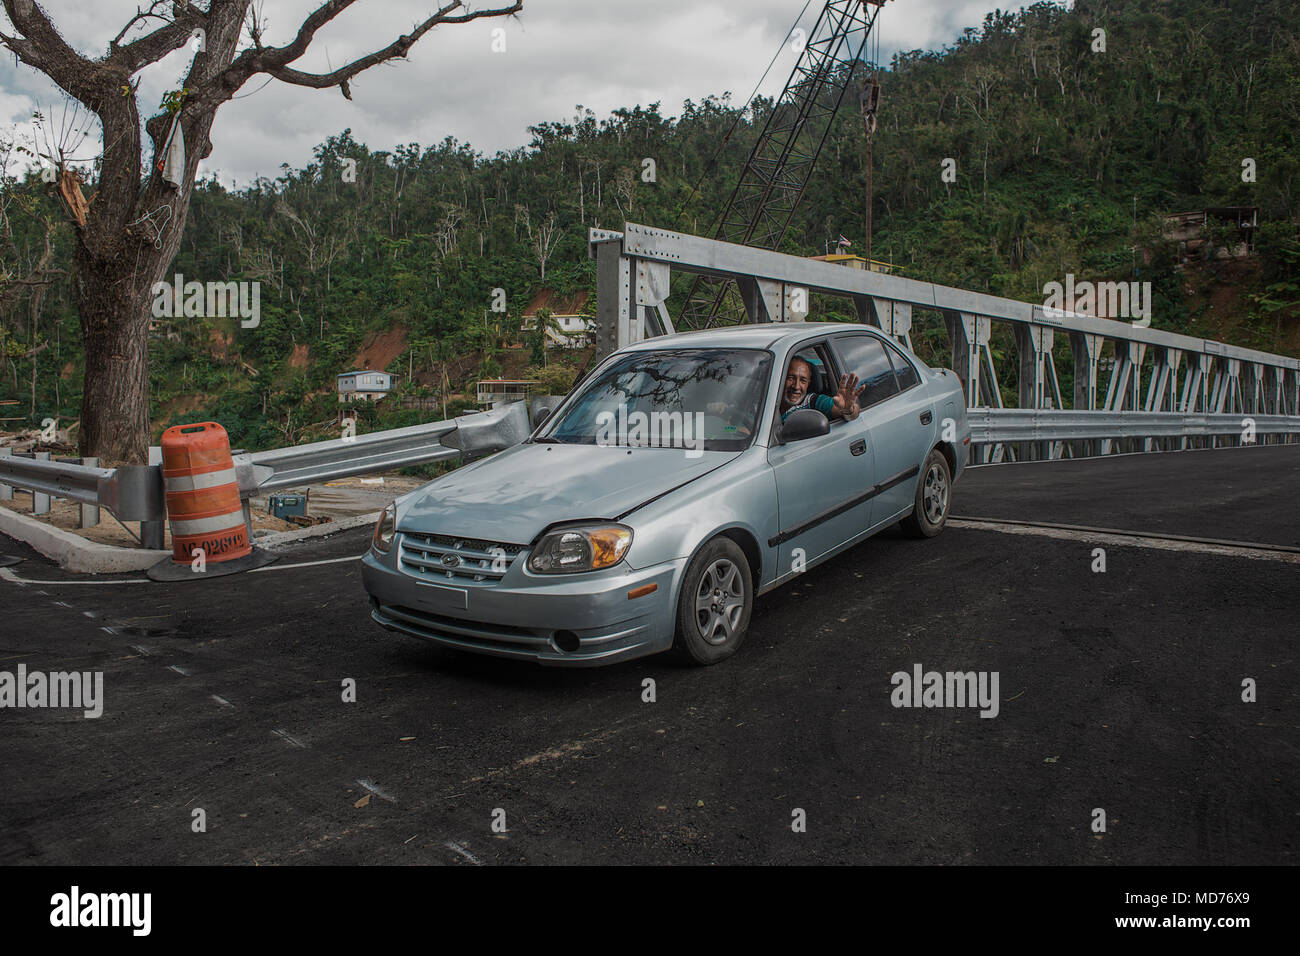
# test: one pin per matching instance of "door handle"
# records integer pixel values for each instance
(858, 447)
(927, 417)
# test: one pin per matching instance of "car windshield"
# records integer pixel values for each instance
(697, 399)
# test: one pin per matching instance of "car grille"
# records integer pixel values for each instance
(442, 557)
(471, 633)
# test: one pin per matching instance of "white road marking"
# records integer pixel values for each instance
(288, 738)
(1154, 542)
(464, 852)
(180, 670)
(139, 650)
(222, 701)
(304, 564)
(374, 788)
(8, 574)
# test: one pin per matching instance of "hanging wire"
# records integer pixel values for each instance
(159, 228)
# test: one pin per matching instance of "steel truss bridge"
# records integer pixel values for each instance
(1135, 388)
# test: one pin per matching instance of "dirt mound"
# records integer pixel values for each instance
(380, 350)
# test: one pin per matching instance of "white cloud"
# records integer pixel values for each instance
(603, 54)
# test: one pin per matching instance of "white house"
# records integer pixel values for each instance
(495, 391)
(574, 328)
(364, 386)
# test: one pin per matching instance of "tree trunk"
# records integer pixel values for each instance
(115, 307)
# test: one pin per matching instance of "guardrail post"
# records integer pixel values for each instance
(6, 491)
(40, 502)
(152, 533)
(89, 513)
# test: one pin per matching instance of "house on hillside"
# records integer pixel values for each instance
(856, 262)
(1188, 230)
(498, 391)
(366, 385)
(574, 330)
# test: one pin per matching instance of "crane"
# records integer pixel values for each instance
(779, 166)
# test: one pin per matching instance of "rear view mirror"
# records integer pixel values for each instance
(805, 423)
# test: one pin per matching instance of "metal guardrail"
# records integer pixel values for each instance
(991, 426)
(469, 436)
(132, 492)
(135, 492)
(343, 458)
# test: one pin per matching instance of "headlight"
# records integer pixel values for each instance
(580, 548)
(382, 539)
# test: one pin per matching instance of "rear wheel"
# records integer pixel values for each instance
(716, 600)
(933, 498)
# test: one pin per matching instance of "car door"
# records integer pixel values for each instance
(897, 422)
(823, 483)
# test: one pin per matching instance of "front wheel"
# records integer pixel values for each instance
(933, 498)
(716, 600)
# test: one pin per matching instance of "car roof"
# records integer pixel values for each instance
(764, 335)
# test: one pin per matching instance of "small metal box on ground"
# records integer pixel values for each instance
(283, 505)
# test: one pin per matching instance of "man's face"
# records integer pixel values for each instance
(796, 382)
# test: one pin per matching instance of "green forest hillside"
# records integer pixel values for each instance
(1067, 158)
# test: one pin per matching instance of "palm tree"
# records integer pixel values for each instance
(546, 324)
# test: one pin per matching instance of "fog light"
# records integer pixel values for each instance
(566, 641)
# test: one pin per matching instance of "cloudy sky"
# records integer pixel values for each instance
(602, 54)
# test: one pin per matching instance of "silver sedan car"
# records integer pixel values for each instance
(681, 478)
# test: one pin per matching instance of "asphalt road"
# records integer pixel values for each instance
(1119, 691)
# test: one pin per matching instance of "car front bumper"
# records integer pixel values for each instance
(531, 617)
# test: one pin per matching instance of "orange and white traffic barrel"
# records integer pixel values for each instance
(203, 504)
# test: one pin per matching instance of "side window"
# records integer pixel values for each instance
(865, 357)
(815, 383)
(906, 372)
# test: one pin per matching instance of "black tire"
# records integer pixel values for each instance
(718, 578)
(933, 498)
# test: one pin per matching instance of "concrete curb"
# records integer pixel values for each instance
(282, 538)
(73, 552)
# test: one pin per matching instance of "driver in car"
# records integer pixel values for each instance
(844, 404)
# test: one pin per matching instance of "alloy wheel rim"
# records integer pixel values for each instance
(719, 602)
(935, 494)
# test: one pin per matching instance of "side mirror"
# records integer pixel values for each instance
(805, 423)
(541, 407)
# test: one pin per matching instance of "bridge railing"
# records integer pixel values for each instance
(1110, 366)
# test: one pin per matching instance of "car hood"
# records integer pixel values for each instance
(513, 495)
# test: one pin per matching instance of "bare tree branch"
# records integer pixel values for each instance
(40, 46)
(140, 17)
(275, 60)
(154, 46)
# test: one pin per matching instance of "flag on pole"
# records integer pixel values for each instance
(843, 243)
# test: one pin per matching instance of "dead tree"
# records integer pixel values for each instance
(128, 231)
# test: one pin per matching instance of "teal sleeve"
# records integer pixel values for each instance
(824, 404)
